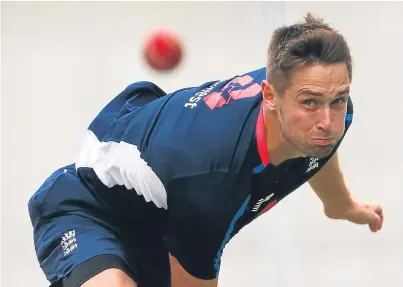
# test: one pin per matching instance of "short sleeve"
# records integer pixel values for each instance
(200, 210)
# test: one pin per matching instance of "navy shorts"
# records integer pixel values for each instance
(73, 225)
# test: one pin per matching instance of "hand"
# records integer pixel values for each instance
(365, 213)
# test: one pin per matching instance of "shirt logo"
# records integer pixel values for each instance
(260, 202)
(313, 163)
(69, 242)
(192, 102)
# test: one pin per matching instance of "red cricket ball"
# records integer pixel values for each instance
(163, 50)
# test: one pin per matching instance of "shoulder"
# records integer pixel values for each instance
(205, 129)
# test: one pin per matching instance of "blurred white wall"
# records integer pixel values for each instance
(63, 61)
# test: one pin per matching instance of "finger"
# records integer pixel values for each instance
(373, 227)
(375, 222)
(379, 211)
(381, 216)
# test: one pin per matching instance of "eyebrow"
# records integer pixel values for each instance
(319, 94)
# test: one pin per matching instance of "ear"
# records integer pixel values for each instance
(269, 97)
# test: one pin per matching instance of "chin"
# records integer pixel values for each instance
(320, 151)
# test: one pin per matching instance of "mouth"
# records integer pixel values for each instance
(322, 141)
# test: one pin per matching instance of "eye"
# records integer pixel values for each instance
(339, 101)
(309, 102)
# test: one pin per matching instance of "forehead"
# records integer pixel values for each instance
(321, 76)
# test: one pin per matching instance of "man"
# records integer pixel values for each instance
(163, 182)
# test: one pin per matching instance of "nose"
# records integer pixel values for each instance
(324, 119)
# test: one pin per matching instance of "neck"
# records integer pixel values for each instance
(278, 147)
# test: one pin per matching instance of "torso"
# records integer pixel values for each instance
(196, 153)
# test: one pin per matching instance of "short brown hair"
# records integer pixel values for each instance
(301, 44)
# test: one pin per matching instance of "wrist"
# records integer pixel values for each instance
(340, 209)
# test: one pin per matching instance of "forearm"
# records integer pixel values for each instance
(331, 189)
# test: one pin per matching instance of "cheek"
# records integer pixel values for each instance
(299, 123)
(339, 122)
(302, 119)
(341, 125)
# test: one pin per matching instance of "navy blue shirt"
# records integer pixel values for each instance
(198, 154)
